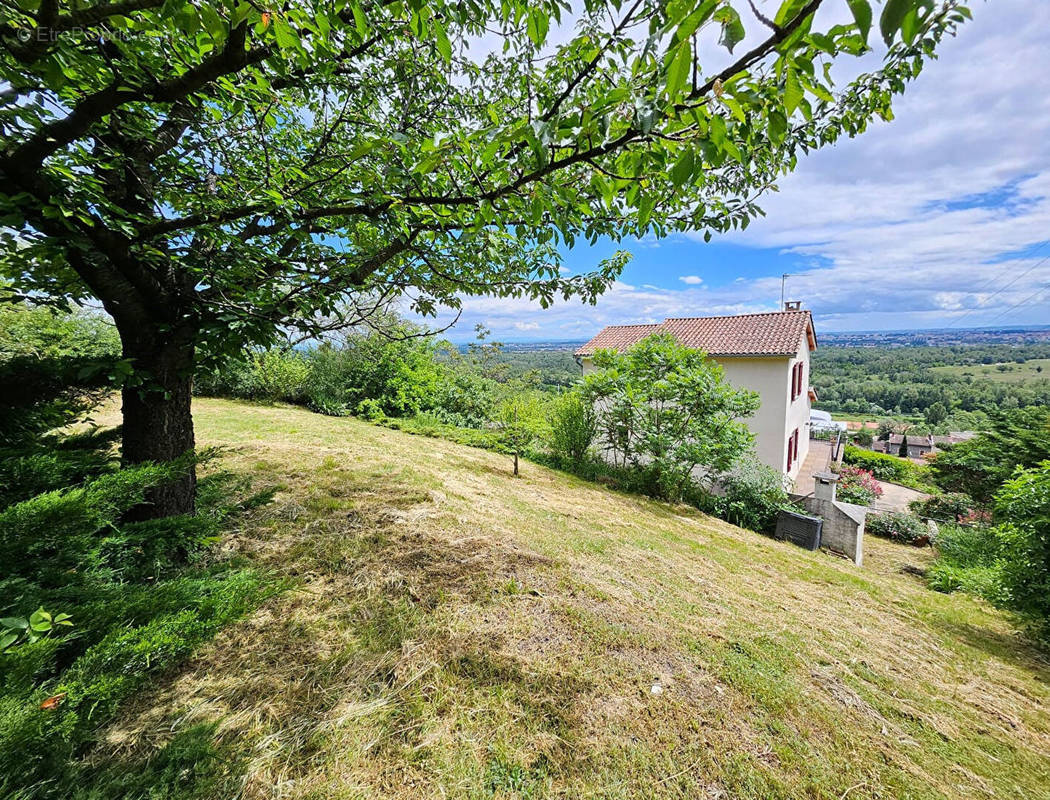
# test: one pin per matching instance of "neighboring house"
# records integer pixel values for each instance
(766, 353)
(918, 446)
(953, 437)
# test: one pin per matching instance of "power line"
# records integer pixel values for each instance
(1002, 289)
(1038, 291)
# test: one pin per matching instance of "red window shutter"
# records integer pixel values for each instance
(801, 377)
(791, 455)
(794, 382)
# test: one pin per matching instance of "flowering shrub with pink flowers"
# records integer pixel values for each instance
(858, 486)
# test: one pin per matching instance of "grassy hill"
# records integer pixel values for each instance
(452, 631)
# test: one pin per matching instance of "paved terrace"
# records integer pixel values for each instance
(818, 459)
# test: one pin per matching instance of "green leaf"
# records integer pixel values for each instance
(788, 11)
(892, 17)
(8, 639)
(732, 27)
(240, 14)
(444, 46)
(678, 71)
(213, 23)
(645, 211)
(682, 170)
(40, 620)
(793, 92)
(862, 16)
(689, 25)
(910, 25)
(359, 20)
(286, 37)
(537, 26)
(15, 622)
(777, 127)
(734, 108)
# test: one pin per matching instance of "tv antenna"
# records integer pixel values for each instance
(783, 284)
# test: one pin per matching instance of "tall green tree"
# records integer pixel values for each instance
(1022, 506)
(214, 171)
(667, 409)
(979, 466)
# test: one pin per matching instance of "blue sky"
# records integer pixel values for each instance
(939, 218)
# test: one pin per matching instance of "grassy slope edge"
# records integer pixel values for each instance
(458, 632)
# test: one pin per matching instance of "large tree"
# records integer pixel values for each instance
(213, 171)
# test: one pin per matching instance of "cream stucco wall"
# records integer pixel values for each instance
(777, 416)
(798, 411)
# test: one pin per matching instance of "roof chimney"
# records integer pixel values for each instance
(793, 305)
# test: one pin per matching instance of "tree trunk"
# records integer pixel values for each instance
(158, 425)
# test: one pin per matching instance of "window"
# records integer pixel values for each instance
(792, 449)
(797, 380)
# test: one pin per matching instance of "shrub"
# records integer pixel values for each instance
(979, 466)
(53, 367)
(1023, 506)
(519, 421)
(399, 374)
(463, 396)
(898, 526)
(864, 437)
(858, 486)
(667, 409)
(132, 605)
(267, 376)
(54, 462)
(370, 409)
(950, 507)
(326, 405)
(1008, 564)
(882, 466)
(968, 560)
(573, 426)
(428, 423)
(753, 494)
(279, 375)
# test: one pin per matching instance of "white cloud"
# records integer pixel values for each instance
(921, 220)
(691, 279)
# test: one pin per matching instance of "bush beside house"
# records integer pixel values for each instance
(899, 527)
(888, 467)
(857, 486)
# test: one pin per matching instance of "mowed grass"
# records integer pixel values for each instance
(1036, 369)
(456, 632)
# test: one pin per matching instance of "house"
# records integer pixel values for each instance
(918, 446)
(953, 437)
(766, 353)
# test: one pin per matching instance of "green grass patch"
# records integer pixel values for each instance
(140, 597)
(1036, 369)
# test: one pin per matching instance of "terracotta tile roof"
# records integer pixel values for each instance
(617, 337)
(776, 333)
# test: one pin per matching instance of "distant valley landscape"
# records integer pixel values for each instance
(942, 337)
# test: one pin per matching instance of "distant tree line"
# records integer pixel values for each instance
(903, 381)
